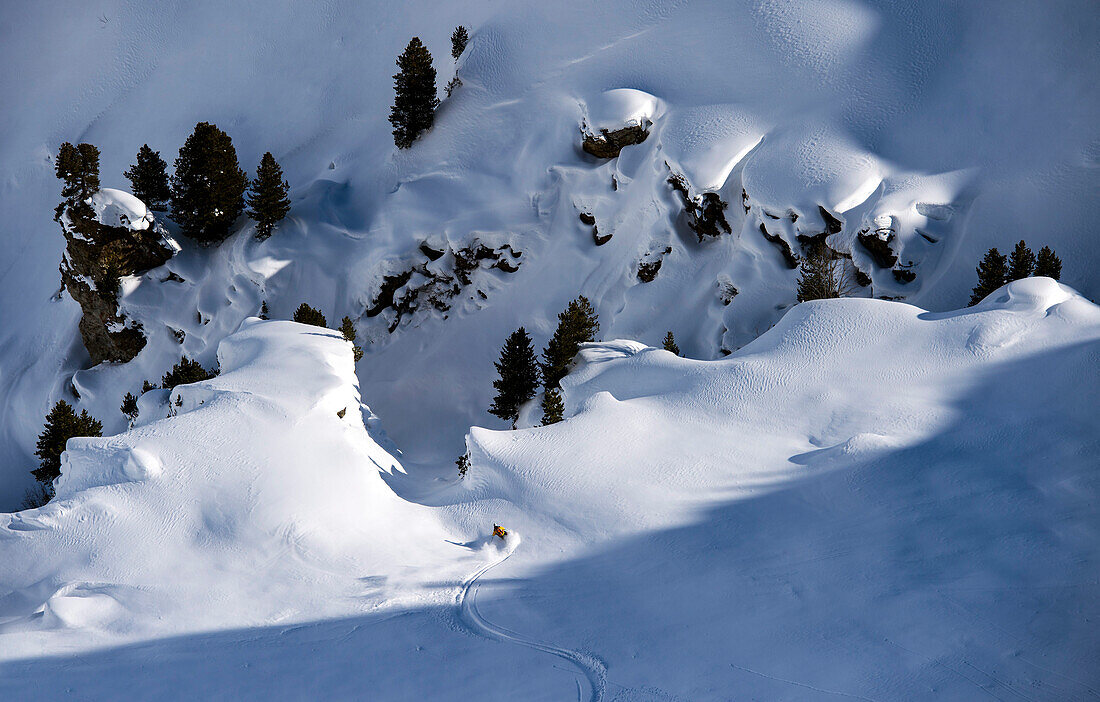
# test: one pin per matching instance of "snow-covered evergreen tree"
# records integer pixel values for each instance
(519, 376)
(577, 324)
(992, 272)
(415, 97)
(1021, 263)
(149, 179)
(1048, 264)
(267, 197)
(208, 185)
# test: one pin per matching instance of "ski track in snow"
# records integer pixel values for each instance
(469, 615)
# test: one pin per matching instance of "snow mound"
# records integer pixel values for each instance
(252, 496)
(622, 107)
(115, 208)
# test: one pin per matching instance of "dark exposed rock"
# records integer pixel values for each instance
(590, 220)
(608, 143)
(390, 285)
(651, 265)
(96, 256)
(862, 279)
(726, 293)
(781, 244)
(832, 224)
(878, 245)
(432, 254)
(173, 277)
(706, 212)
(439, 287)
(904, 275)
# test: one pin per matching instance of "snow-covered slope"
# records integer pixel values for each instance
(870, 500)
(252, 497)
(954, 126)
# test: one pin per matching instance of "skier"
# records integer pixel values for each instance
(500, 531)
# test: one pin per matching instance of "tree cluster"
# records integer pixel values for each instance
(309, 315)
(996, 269)
(520, 372)
(185, 372)
(207, 191)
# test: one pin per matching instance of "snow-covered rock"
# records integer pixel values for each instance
(115, 208)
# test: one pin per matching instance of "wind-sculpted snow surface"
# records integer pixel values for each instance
(869, 501)
(252, 497)
(925, 131)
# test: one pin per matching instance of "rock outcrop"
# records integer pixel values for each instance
(608, 143)
(437, 281)
(112, 235)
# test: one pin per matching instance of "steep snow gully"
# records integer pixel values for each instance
(594, 670)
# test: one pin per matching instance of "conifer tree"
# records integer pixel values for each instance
(129, 407)
(552, 407)
(347, 328)
(267, 197)
(208, 185)
(1048, 264)
(149, 179)
(820, 276)
(519, 376)
(185, 372)
(62, 424)
(670, 344)
(992, 272)
(1021, 263)
(263, 310)
(415, 98)
(308, 315)
(458, 41)
(577, 324)
(78, 167)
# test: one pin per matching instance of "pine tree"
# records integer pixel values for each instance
(670, 344)
(992, 272)
(149, 179)
(577, 324)
(263, 310)
(185, 372)
(62, 424)
(820, 276)
(552, 407)
(78, 167)
(1021, 263)
(1048, 264)
(415, 97)
(347, 328)
(519, 376)
(308, 315)
(267, 198)
(208, 185)
(129, 407)
(458, 41)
